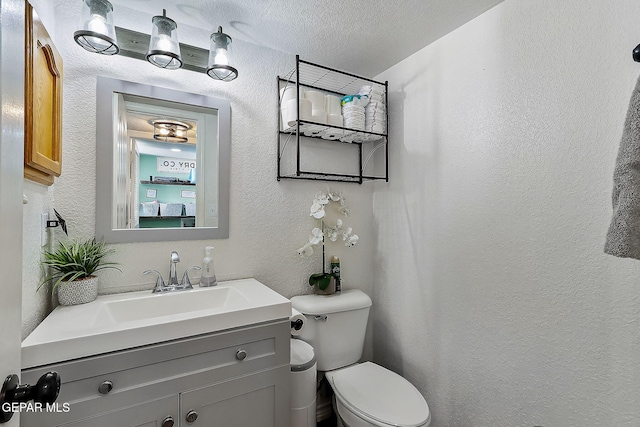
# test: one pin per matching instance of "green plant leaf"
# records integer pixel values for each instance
(324, 282)
(320, 279)
(314, 278)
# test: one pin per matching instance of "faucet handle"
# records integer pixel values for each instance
(186, 283)
(159, 281)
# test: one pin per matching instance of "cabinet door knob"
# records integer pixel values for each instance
(168, 422)
(192, 416)
(105, 387)
(241, 354)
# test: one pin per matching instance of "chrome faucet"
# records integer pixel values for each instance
(160, 286)
(173, 284)
(173, 276)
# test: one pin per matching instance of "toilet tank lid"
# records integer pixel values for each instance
(352, 299)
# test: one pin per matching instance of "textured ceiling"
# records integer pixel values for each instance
(362, 36)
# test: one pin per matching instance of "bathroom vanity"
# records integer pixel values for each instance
(230, 376)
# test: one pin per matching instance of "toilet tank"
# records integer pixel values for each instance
(335, 327)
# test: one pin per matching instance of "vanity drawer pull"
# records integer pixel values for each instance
(241, 354)
(105, 387)
(192, 416)
(168, 422)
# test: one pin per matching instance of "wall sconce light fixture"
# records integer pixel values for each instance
(164, 49)
(99, 35)
(170, 131)
(219, 54)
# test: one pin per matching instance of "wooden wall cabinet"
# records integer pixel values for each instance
(43, 103)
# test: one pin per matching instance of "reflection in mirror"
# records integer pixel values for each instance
(162, 164)
(164, 146)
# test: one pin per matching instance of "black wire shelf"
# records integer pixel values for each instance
(332, 133)
(291, 151)
(331, 80)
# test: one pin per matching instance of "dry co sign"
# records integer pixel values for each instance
(167, 164)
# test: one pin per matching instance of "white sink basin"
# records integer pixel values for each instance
(117, 322)
(150, 306)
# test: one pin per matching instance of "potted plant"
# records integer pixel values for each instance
(322, 282)
(74, 264)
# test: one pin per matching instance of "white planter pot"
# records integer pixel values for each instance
(78, 291)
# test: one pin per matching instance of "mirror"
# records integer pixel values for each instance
(162, 164)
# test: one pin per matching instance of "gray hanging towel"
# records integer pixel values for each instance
(623, 238)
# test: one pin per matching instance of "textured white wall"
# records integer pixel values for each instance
(35, 305)
(493, 294)
(269, 219)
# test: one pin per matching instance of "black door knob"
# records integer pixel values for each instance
(45, 391)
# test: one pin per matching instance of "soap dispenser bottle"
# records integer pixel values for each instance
(208, 276)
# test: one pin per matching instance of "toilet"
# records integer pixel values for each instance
(365, 394)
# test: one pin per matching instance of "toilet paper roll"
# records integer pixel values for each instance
(297, 322)
(292, 109)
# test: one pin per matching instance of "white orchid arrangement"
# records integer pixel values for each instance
(318, 234)
(332, 232)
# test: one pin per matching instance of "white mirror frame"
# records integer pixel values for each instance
(105, 163)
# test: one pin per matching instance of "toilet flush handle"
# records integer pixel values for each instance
(321, 317)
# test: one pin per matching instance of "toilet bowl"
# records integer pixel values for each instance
(370, 395)
(365, 394)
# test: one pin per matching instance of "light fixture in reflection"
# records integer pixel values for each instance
(170, 131)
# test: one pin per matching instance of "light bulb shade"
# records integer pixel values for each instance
(170, 131)
(97, 33)
(164, 49)
(220, 57)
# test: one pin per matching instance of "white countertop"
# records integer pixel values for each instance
(121, 321)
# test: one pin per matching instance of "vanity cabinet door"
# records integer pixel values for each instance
(258, 400)
(238, 375)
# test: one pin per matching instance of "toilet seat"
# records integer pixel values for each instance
(379, 396)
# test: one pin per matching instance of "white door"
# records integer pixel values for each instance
(122, 201)
(134, 186)
(11, 170)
